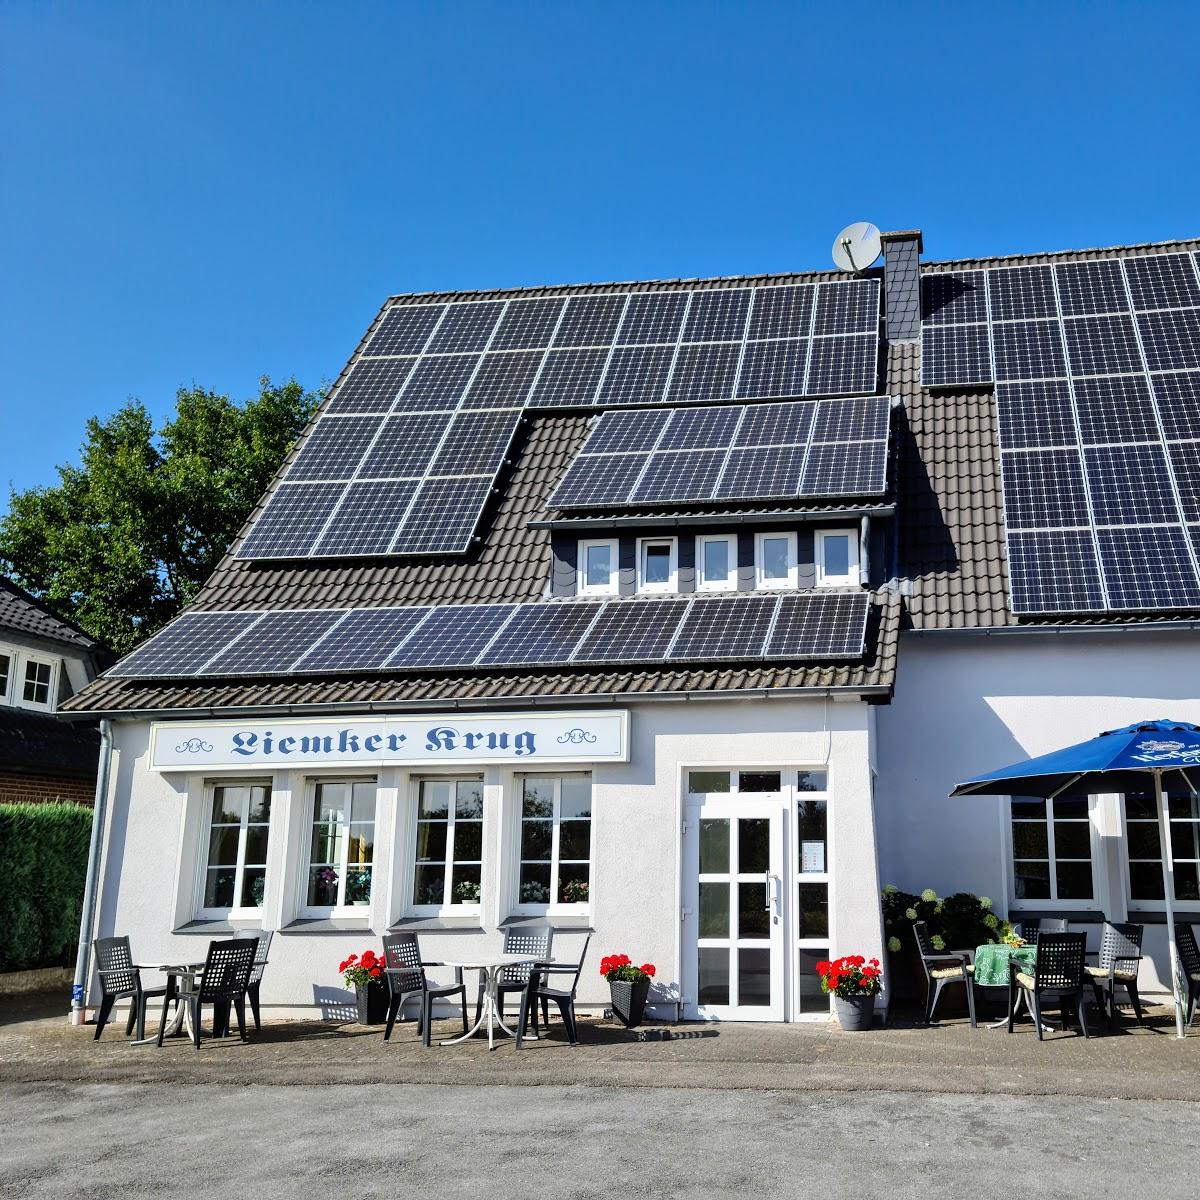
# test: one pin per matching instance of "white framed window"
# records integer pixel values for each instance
(837, 557)
(598, 567)
(6, 670)
(775, 560)
(555, 844)
(1052, 850)
(341, 850)
(37, 686)
(716, 563)
(1143, 849)
(237, 831)
(657, 565)
(448, 855)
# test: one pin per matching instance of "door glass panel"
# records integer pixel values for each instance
(811, 781)
(812, 917)
(700, 782)
(714, 846)
(811, 827)
(754, 921)
(754, 977)
(714, 975)
(714, 910)
(759, 781)
(754, 845)
(808, 985)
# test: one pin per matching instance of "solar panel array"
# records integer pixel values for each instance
(405, 455)
(796, 448)
(798, 625)
(1097, 373)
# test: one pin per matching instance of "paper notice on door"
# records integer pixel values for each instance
(812, 857)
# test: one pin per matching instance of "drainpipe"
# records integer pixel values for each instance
(92, 884)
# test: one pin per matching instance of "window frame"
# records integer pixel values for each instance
(446, 908)
(761, 582)
(9, 672)
(1151, 906)
(1052, 902)
(335, 911)
(730, 582)
(672, 583)
(612, 587)
(853, 576)
(235, 912)
(552, 907)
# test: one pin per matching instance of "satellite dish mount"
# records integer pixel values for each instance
(856, 247)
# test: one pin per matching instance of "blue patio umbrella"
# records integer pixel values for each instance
(1116, 761)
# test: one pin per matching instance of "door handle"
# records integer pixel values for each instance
(772, 904)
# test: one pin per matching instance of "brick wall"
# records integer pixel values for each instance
(15, 788)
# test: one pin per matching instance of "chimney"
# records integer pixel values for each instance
(902, 283)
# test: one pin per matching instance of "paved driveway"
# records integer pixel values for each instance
(128, 1139)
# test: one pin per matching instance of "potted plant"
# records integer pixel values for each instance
(365, 975)
(853, 982)
(629, 986)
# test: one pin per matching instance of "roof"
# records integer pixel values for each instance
(20, 612)
(43, 744)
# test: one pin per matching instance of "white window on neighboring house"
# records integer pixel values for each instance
(235, 864)
(341, 850)
(598, 567)
(775, 560)
(38, 677)
(5, 675)
(448, 866)
(716, 563)
(657, 565)
(1051, 849)
(837, 558)
(556, 841)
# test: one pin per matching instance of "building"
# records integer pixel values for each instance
(44, 660)
(671, 612)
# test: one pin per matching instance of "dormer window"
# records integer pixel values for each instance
(775, 560)
(598, 567)
(38, 675)
(716, 563)
(837, 558)
(657, 565)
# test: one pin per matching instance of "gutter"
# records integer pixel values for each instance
(375, 706)
(1018, 630)
(91, 885)
(697, 520)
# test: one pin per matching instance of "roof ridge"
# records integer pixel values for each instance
(1185, 243)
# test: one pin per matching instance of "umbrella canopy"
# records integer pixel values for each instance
(1119, 760)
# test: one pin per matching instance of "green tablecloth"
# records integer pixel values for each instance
(991, 963)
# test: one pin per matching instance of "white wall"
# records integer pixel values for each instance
(154, 826)
(967, 705)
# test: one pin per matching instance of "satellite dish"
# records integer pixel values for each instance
(856, 247)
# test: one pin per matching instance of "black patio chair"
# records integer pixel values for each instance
(1189, 959)
(943, 968)
(1117, 966)
(538, 990)
(222, 985)
(534, 941)
(406, 977)
(1029, 930)
(119, 977)
(1057, 974)
(260, 965)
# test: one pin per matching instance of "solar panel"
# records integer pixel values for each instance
(443, 516)
(1091, 287)
(845, 469)
(453, 635)
(365, 640)
(294, 515)
(405, 445)
(1044, 488)
(1130, 485)
(773, 369)
(367, 519)
(503, 380)
(371, 386)
(819, 625)
(653, 317)
(1185, 466)
(727, 627)
(1148, 567)
(632, 430)
(1117, 409)
(849, 307)
(569, 379)
(334, 448)
(699, 428)
(783, 312)
(466, 327)
(540, 633)
(955, 355)
(954, 298)
(1028, 350)
(843, 365)
(636, 375)
(1102, 345)
(184, 646)
(1171, 340)
(476, 443)
(272, 645)
(590, 321)
(1021, 293)
(527, 324)
(1035, 414)
(635, 630)
(1054, 571)
(704, 372)
(777, 424)
(438, 383)
(679, 475)
(762, 473)
(598, 479)
(1177, 398)
(1162, 281)
(717, 315)
(404, 329)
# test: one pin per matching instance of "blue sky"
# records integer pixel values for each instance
(207, 193)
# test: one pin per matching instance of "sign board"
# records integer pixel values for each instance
(424, 741)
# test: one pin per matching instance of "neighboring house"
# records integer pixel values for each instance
(672, 611)
(43, 661)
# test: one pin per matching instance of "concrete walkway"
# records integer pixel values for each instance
(37, 1045)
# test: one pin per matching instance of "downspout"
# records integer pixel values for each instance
(92, 884)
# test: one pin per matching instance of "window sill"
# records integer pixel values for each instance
(219, 925)
(463, 924)
(328, 925)
(582, 922)
(1086, 916)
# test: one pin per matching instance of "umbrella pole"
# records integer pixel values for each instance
(1169, 896)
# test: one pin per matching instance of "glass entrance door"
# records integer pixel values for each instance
(733, 919)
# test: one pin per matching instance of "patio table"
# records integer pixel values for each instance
(991, 970)
(489, 967)
(181, 1017)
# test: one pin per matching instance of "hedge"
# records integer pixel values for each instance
(43, 865)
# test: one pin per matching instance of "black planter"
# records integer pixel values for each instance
(855, 1013)
(629, 1001)
(372, 1003)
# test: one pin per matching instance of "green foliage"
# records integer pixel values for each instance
(958, 922)
(127, 537)
(43, 864)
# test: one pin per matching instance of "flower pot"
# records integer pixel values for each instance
(855, 1013)
(629, 1001)
(372, 1003)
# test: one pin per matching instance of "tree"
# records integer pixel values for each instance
(127, 537)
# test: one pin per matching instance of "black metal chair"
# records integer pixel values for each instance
(1189, 960)
(119, 977)
(1057, 974)
(406, 977)
(260, 965)
(1117, 966)
(1028, 931)
(534, 941)
(943, 969)
(537, 990)
(223, 985)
